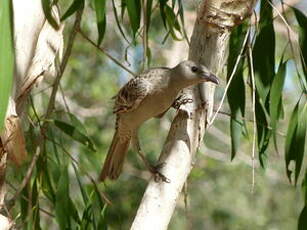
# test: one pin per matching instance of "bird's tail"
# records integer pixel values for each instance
(113, 164)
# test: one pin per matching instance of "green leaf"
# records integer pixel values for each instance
(264, 52)
(118, 23)
(87, 217)
(172, 22)
(75, 134)
(102, 223)
(81, 186)
(276, 97)
(76, 5)
(134, 12)
(123, 8)
(264, 60)
(100, 8)
(302, 221)
(162, 4)
(263, 133)
(35, 206)
(302, 21)
(73, 211)
(300, 139)
(295, 140)
(62, 205)
(6, 57)
(24, 203)
(47, 6)
(304, 187)
(264, 67)
(236, 90)
(148, 14)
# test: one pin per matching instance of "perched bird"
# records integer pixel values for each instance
(148, 95)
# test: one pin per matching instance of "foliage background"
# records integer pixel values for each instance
(219, 190)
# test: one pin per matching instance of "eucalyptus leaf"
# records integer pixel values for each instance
(75, 134)
(62, 205)
(134, 12)
(100, 8)
(6, 57)
(76, 5)
(302, 21)
(236, 90)
(47, 6)
(276, 97)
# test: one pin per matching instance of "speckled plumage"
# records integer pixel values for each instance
(148, 95)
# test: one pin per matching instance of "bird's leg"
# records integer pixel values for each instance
(154, 170)
(181, 100)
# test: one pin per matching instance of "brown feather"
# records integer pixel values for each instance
(114, 162)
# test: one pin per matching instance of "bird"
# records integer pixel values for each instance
(148, 95)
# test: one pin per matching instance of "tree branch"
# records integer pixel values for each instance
(209, 42)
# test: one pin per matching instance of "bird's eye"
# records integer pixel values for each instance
(194, 69)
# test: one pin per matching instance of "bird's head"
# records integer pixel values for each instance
(194, 73)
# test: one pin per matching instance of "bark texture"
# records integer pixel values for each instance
(209, 42)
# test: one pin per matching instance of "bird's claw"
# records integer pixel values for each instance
(157, 175)
(181, 101)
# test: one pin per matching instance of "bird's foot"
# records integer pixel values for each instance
(181, 100)
(155, 171)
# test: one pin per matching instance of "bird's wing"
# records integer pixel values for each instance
(131, 95)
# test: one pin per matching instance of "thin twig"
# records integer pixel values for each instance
(106, 53)
(254, 114)
(230, 78)
(27, 199)
(281, 16)
(27, 178)
(64, 63)
(145, 30)
(292, 47)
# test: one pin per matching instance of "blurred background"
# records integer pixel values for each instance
(218, 194)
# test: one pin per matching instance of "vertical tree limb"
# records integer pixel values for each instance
(209, 43)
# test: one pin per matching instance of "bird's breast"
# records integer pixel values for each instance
(153, 104)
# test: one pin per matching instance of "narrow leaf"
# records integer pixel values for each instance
(236, 91)
(118, 23)
(75, 134)
(290, 140)
(300, 138)
(302, 21)
(148, 14)
(162, 4)
(47, 6)
(134, 12)
(302, 221)
(6, 57)
(100, 8)
(263, 133)
(81, 186)
(172, 22)
(62, 205)
(276, 97)
(102, 223)
(295, 140)
(76, 5)
(264, 52)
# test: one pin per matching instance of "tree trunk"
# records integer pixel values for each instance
(209, 43)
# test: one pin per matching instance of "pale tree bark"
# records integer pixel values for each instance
(37, 47)
(209, 42)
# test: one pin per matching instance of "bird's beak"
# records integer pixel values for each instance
(207, 76)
